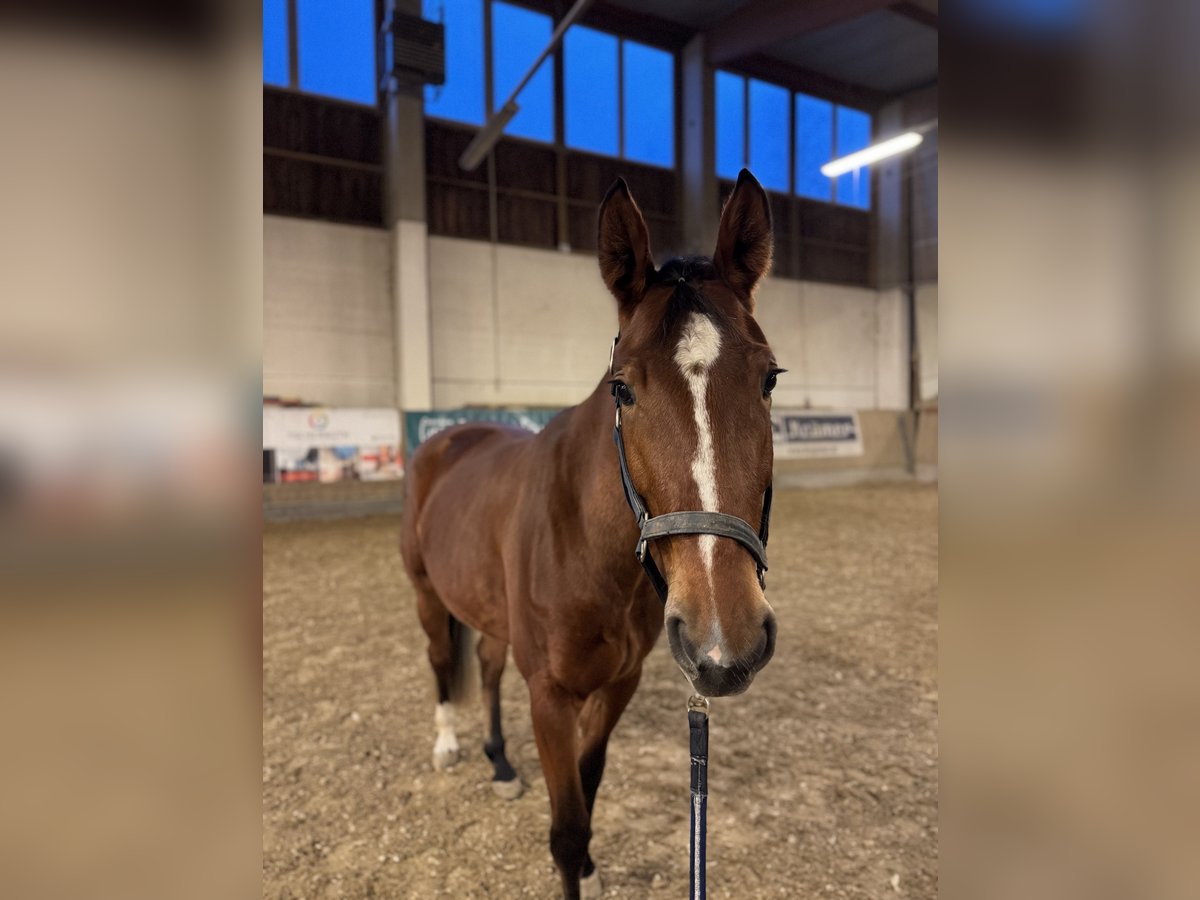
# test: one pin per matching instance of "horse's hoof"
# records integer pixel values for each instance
(508, 790)
(446, 755)
(590, 887)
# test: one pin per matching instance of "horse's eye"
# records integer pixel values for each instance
(769, 384)
(622, 392)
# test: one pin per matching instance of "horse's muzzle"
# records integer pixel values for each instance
(720, 679)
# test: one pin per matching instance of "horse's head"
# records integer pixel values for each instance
(693, 374)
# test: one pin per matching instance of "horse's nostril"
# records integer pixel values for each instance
(681, 647)
(769, 644)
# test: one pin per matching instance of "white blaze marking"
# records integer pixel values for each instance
(698, 349)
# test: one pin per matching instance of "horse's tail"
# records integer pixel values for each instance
(464, 674)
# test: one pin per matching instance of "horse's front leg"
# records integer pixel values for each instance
(555, 716)
(599, 717)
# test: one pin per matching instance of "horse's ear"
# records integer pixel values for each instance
(744, 242)
(624, 242)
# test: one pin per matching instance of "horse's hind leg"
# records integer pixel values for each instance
(493, 654)
(441, 629)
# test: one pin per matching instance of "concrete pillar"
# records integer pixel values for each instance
(896, 187)
(892, 257)
(405, 159)
(699, 201)
(891, 206)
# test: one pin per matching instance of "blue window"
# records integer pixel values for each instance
(275, 43)
(518, 36)
(337, 48)
(770, 142)
(731, 124)
(649, 104)
(461, 97)
(590, 83)
(853, 133)
(814, 147)
(746, 108)
(644, 130)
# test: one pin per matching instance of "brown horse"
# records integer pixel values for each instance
(528, 540)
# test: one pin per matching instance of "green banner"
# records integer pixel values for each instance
(420, 426)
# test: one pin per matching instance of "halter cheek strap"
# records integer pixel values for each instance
(688, 522)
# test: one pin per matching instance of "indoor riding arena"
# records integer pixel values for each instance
(465, 201)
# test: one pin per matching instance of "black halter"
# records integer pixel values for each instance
(689, 522)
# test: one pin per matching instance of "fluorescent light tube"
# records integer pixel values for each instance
(481, 145)
(871, 154)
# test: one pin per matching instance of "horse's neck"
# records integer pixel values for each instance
(589, 454)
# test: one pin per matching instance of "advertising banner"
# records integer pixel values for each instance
(808, 434)
(420, 426)
(330, 444)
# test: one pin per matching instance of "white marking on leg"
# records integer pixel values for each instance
(698, 348)
(445, 746)
(590, 887)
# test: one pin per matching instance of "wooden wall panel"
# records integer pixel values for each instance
(837, 265)
(816, 241)
(527, 195)
(836, 224)
(443, 147)
(322, 159)
(526, 167)
(307, 124)
(526, 220)
(787, 255)
(589, 177)
(457, 211)
(581, 227)
(301, 187)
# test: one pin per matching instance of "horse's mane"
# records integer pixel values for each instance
(685, 274)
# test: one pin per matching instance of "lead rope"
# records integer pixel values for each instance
(698, 728)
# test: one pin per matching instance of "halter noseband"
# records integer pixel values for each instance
(688, 522)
